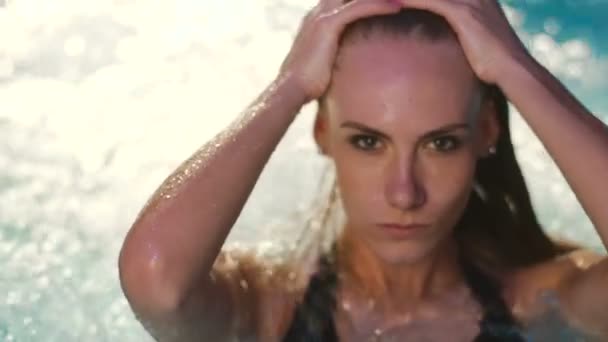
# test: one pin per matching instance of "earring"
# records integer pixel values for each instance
(492, 150)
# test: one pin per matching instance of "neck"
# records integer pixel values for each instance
(396, 287)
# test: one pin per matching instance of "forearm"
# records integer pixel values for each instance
(576, 140)
(179, 233)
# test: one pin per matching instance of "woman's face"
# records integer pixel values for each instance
(405, 124)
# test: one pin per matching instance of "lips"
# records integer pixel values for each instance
(401, 230)
(401, 226)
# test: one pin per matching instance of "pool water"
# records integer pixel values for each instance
(101, 100)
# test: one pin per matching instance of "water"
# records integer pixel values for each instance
(100, 100)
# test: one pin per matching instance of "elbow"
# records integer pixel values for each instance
(145, 282)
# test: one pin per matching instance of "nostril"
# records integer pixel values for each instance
(405, 196)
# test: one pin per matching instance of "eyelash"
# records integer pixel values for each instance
(455, 143)
(453, 140)
(356, 139)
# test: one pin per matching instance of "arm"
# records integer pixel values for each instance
(167, 257)
(169, 252)
(578, 142)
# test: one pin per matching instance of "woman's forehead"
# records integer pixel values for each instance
(394, 78)
(369, 56)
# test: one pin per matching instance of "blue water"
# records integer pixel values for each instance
(578, 20)
(100, 100)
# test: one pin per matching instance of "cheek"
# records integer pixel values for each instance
(448, 183)
(356, 182)
(360, 181)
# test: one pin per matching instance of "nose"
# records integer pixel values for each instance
(404, 190)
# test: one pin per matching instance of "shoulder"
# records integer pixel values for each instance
(551, 273)
(526, 289)
(265, 290)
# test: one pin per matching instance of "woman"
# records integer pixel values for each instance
(440, 241)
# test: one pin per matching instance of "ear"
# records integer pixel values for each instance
(489, 129)
(321, 129)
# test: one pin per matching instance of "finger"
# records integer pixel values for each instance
(445, 8)
(331, 4)
(358, 9)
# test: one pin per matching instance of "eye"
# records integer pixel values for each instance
(365, 142)
(445, 143)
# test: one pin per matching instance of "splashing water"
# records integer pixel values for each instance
(101, 100)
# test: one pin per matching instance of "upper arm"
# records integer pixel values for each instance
(578, 278)
(219, 308)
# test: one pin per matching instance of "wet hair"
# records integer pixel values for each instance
(497, 232)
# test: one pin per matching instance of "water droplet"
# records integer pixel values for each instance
(346, 306)
(43, 282)
(244, 284)
(93, 329)
(371, 304)
(34, 297)
(13, 298)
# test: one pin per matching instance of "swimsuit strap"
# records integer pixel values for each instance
(498, 323)
(314, 316)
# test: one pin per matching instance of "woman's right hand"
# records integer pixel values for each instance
(312, 56)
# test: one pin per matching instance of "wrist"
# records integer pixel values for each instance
(515, 70)
(289, 88)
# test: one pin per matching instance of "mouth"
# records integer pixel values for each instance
(401, 230)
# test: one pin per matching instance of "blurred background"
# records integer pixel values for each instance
(100, 100)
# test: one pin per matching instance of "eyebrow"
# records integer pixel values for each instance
(436, 132)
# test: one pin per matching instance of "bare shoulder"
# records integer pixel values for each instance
(526, 289)
(551, 273)
(264, 291)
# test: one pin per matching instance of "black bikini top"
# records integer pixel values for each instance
(314, 322)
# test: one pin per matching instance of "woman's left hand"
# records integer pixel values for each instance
(483, 30)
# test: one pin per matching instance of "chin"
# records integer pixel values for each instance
(403, 253)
